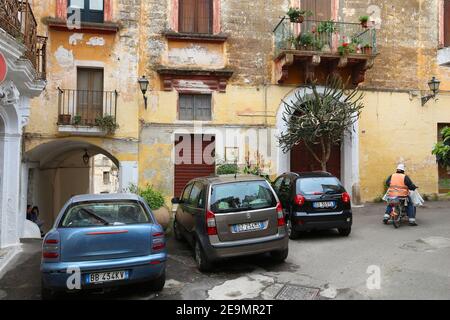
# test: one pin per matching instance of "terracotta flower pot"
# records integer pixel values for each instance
(162, 215)
(64, 119)
(367, 50)
(364, 24)
(300, 19)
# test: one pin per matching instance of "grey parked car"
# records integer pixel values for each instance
(227, 216)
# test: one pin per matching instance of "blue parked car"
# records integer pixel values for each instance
(101, 241)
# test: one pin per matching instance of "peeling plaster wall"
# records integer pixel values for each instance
(116, 53)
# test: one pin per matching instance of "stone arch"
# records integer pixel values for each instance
(56, 172)
(349, 147)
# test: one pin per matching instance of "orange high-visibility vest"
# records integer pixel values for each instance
(398, 188)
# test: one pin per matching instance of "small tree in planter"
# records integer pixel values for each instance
(321, 119)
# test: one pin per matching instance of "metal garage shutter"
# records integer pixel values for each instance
(192, 164)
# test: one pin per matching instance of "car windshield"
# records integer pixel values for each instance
(95, 214)
(319, 185)
(238, 196)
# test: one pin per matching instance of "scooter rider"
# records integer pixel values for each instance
(399, 185)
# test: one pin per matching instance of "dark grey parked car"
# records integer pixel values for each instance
(227, 216)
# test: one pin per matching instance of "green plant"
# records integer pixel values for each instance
(306, 39)
(77, 120)
(107, 123)
(442, 149)
(297, 15)
(228, 168)
(364, 19)
(153, 197)
(345, 48)
(318, 44)
(327, 27)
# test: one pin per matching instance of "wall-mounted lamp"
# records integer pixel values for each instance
(433, 84)
(86, 157)
(143, 83)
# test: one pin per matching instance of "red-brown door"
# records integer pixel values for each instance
(194, 158)
(303, 161)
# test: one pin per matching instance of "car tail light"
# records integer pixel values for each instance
(211, 226)
(280, 215)
(50, 249)
(299, 200)
(158, 241)
(345, 197)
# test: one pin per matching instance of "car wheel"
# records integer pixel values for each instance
(291, 232)
(157, 285)
(203, 264)
(176, 231)
(280, 256)
(345, 232)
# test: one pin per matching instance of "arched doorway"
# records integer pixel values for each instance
(344, 162)
(60, 169)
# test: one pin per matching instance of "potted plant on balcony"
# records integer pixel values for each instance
(77, 120)
(325, 30)
(364, 20)
(346, 48)
(367, 49)
(292, 42)
(306, 41)
(107, 123)
(64, 119)
(297, 15)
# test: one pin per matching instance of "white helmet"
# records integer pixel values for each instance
(401, 167)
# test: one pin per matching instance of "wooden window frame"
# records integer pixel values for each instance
(196, 19)
(182, 93)
(88, 15)
(216, 16)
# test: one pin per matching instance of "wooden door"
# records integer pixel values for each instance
(89, 94)
(321, 9)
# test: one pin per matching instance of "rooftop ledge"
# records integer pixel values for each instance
(219, 37)
(105, 27)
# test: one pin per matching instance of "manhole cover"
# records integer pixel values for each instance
(293, 292)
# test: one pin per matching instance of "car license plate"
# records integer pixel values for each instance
(106, 276)
(324, 205)
(248, 227)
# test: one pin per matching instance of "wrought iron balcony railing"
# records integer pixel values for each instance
(324, 36)
(17, 19)
(86, 107)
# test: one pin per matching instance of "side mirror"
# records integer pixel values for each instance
(176, 200)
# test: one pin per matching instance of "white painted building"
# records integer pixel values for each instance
(21, 53)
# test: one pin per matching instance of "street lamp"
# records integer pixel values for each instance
(433, 84)
(143, 83)
(86, 157)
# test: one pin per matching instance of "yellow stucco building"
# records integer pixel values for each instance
(220, 73)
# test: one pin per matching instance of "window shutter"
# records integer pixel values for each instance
(187, 16)
(446, 23)
(203, 107)
(186, 105)
(204, 21)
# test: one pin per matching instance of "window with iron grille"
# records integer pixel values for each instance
(106, 177)
(195, 107)
(446, 23)
(196, 16)
(90, 10)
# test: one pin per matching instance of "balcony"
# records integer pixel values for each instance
(313, 49)
(17, 19)
(87, 112)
